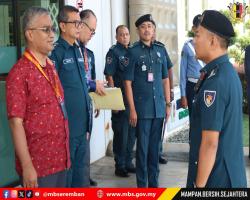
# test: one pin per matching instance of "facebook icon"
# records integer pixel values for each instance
(6, 194)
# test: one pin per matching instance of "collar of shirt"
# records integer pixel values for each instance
(81, 44)
(214, 63)
(143, 45)
(120, 45)
(64, 43)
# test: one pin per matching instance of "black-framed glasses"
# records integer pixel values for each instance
(77, 23)
(47, 29)
(91, 29)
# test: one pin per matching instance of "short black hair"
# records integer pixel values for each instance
(120, 26)
(63, 14)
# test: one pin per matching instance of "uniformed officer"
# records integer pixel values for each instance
(89, 21)
(216, 151)
(162, 159)
(189, 70)
(124, 135)
(148, 95)
(69, 64)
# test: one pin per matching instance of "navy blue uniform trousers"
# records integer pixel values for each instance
(148, 132)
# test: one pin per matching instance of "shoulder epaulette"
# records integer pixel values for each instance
(159, 43)
(134, 44)
(112, 47)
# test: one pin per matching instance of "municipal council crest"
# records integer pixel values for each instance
(238, 10)
(209, 97)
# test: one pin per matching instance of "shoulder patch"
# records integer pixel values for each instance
(209, 97)
(125, 61)
(109, 60)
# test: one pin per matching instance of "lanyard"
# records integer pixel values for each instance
(38, 66)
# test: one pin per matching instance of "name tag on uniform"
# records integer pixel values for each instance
(68, 60)
(80, 60)
(150, 77)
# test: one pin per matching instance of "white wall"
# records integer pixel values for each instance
(119, 15)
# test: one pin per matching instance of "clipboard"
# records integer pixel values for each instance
(113, 99)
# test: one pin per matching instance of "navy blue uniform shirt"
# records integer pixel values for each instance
(148, 95)
(115, 65)
(217, 106)
(69, 64)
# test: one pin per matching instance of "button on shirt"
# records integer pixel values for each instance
(148, 96)
(218, 106)
(189, 67)
(30, 97)
(69, 64)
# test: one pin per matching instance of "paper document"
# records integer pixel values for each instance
(111, 101)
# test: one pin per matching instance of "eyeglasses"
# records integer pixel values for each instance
(47, 29)
(91, 29)
(77, 23)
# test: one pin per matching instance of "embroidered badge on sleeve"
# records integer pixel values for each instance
(209, 97)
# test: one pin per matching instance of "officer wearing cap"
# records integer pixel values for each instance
(148, 94)
(124, 135)
(190, 68)
(216, 151)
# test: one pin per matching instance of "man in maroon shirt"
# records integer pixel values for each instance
(35, 106)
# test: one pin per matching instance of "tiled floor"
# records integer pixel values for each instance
(173, 174)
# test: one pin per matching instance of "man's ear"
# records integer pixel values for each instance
(62, 27)
(28, 35)
(212, 39)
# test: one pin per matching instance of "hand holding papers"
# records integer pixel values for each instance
(111, 101)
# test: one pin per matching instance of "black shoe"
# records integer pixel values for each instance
(92, 182)
(131, 169)
(163, 160)
(121, 173)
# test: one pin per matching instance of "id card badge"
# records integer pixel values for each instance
(150, 77)
(64, 111)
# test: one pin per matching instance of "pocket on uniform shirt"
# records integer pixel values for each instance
(68, 74)
(159, 60)
(68, 67)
